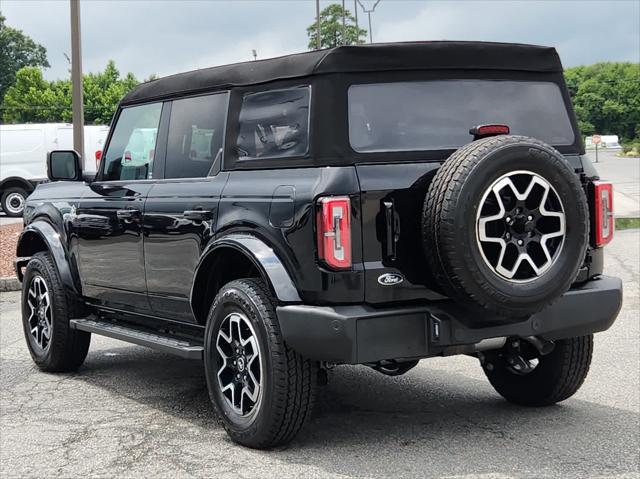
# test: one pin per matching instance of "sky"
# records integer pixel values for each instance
(163, 36)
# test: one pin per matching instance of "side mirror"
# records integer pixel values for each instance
(64, 165)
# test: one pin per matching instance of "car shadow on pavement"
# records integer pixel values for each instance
(429, 421)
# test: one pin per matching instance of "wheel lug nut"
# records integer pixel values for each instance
(529, 218)
(520, 242)
(509, 220)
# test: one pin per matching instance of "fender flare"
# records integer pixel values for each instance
(48, 234)
(264, 259)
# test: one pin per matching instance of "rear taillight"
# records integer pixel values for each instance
(603, 205)
(334, 231)
(98, 156)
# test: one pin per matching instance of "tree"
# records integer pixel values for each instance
(103, 91)
(606, 98)
(331, 32)
(17, 51)
(34, 99)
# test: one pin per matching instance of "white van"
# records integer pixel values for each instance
(611, 142)
(23, 157)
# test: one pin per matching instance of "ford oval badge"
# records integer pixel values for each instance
(390, 279)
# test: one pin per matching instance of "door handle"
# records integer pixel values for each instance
(392, 224)
(127, 214)
(198, 215)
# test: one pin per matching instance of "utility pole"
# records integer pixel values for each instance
(77, 102)
(318, 43)
(369, 12)
(355, 9)
(344, 24)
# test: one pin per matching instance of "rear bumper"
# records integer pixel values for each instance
(361, 334)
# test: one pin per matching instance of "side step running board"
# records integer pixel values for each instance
(165, 343)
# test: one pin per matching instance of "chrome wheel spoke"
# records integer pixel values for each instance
(40, 312)
(239, 367)
(520, 226)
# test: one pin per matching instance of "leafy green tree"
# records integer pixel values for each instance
(34, 99)
(331, 32)
(103, 91)
(29, 99)
(17, 51)
(606, 98)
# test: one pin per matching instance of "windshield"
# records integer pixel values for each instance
(437, 115)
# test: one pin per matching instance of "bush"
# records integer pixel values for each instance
(631, 148)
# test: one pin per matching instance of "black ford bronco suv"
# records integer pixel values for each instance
(368, 205)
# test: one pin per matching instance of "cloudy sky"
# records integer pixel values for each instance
(164, 37)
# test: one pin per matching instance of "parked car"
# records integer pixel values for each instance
(23, 157)
(368, 205)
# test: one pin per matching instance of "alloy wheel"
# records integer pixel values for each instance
(239, 364)
(520, 226)
(40, 313)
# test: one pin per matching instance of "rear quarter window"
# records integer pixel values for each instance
(274, 124)
(437, 115)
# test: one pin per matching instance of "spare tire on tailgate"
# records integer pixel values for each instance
(505, 225)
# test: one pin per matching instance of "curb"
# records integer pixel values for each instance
(10, 284)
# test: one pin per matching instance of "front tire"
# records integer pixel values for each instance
(263, 390)
(556, 377)
(46, 310)
(13, 201)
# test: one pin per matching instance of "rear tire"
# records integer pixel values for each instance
(263, 390)
(13, 201)
(46, 310)
(557, 377)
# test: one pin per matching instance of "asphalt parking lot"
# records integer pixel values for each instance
(132, 412)
(625, 175)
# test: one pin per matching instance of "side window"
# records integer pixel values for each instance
(196, 134)
(130, 153)
(274, 124)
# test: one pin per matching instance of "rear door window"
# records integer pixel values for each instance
(274, 124)
(131, 150)
(437, 115)
(196, 135)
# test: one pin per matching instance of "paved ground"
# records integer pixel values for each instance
(7, 220)
(133, 412)
(625, 175)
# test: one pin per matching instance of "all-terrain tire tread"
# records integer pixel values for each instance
(559, 379)
(68, 347)
(295, 390)
(439, 224)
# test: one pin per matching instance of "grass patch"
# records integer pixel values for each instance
(627, 223)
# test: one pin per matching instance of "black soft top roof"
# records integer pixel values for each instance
(363, 58)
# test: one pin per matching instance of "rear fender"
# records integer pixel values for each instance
(264, 259)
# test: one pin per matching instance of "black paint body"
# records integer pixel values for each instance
(128, 249)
